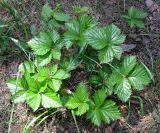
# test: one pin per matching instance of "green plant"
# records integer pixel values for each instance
(41, 84)
(135, 17)
(129, 74)
(39, 88)
(99, 109)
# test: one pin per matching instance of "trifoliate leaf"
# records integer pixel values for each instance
(79, 100)
(41, 44)
(102, 110)
(135, 17)
(46, 12)
(104, 37)
(106, 40)
(51, 99)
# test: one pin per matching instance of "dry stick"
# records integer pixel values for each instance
(13, 105)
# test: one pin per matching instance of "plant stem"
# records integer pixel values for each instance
(13, 105)
(74, 118)
(93, 61)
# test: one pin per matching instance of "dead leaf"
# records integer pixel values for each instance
(128, 47)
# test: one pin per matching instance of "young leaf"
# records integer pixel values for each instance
(76, 30)
(102, 110)
(79, 100)
(135, 17)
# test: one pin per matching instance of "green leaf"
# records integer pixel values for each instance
(69, 64)
(55, 36)
(106, 55)
(123, 90)
(41, 44)
(76, 30)
(42, 75)
(79, 100)
(14, 85)
(56, 54)
(135, 17)
(102, 110)
(43, 60)
(60, 16)
(20, 96)
(106, 40)
(51, 100)
(46, 12)
(139, 77)
(53, 69)
(61, 74)
(27, 66)
(55, 84)
(117, 52)
(34, 101)
(95, 79)
(99, 97)
(104, 37)
(136, 13)
(80, 10)
(129, 62)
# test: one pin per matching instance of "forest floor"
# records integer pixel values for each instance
(147, 48)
